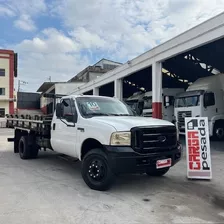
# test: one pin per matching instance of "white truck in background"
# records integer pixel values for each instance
(104, 134)
(142, 103)
(133, 101)
(204, 98)
(168, 96)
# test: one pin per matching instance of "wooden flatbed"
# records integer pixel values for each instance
(36, 128)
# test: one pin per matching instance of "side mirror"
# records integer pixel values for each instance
(58, 110)
(140, 107)
(75, 117)
(205, 102)
(167, 101)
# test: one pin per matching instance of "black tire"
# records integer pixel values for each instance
(218, 131)
(96, 171)
(27, 148)
(157, 172)
(24, 149)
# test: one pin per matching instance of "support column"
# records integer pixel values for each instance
(118, 89)
(11, 83)
(96, 91)
(157, 90)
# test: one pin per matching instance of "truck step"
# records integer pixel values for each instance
(67, 158)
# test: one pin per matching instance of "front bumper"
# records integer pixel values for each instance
(126, 160)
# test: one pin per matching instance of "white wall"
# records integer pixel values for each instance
(94, 75)
(4, 83)
(60, 88)
(67, 88)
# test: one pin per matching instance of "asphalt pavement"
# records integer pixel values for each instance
(51, 190)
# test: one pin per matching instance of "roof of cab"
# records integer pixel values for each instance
(93, 96)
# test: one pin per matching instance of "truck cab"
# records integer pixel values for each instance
(204, 98)
(134, 102)
(168, 95)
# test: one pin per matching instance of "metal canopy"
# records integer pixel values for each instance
(185, 69)
(211, 54)
(187, 65)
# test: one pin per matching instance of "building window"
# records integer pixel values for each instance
(2, 72)
(2, 112)
(2, 91)
(109, 67)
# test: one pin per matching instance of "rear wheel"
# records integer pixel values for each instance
(96, 171)
(24, 149)
(28, 148)
(157, 172)
(218, 132)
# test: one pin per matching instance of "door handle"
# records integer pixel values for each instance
(81, 129)
(54, 126)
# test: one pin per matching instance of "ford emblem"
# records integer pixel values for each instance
(162, 138)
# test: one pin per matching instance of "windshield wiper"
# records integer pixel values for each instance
(97, 114)
(121, 114)
(107, 114)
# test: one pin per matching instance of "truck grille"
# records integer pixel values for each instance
(181, 119)
(154, 139)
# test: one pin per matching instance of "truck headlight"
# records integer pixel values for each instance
(121, 138)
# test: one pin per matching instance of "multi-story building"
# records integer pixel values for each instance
(8, 70)
(92, 72)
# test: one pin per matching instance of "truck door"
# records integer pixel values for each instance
(64, 130)
(210, 105)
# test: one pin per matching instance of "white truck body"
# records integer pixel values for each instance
(204, 98)
(104, 134)
(168, 95)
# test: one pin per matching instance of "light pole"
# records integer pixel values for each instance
(20, 82)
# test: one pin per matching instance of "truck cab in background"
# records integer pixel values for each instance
(204, 98)
(134, 102)
(168, 96)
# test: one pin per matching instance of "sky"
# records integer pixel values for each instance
(59, 38)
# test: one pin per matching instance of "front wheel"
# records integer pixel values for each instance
(218, 132)
(96, 171)
(157, 172)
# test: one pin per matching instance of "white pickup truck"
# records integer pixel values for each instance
(104, 134)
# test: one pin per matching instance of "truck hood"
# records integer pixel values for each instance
(126, 123)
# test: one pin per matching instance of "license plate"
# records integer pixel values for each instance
(163, 163)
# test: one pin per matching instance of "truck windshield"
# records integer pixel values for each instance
(96, 106)
(190, 101)
(148, 102)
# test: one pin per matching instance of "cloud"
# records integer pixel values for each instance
(116, 29)
(87, 39)
(23, 11)
(51, 53)
(31, 7)
(128, 28)
(25, 23)
(6, 11)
